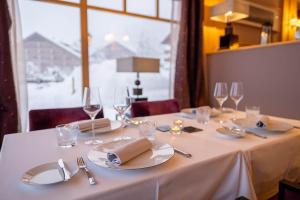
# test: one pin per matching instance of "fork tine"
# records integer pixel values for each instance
(82, 161)
(77, 161)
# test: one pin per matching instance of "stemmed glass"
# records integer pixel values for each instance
(92, 105)
(236, 93)
(221, 93)
(122, 102)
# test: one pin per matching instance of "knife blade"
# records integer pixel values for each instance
(67, 173)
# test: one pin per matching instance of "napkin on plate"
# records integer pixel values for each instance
(86, 125)
(263, 122)
(273, 125)
(129, 151)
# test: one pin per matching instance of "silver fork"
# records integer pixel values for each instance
(81, 164)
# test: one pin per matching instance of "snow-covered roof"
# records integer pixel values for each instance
(71, 49)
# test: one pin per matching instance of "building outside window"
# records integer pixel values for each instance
(53, 55)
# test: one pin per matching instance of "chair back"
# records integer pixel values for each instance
(147, 108)
(288, 190)
(50, 118)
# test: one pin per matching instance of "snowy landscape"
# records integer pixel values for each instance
(56, 85)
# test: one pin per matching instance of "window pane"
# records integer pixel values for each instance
(52, 52)
(165, 9)
(144, 7)
(126, 36)
(112, 4)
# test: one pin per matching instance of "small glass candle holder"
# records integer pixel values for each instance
(178, 122)
(175, 130)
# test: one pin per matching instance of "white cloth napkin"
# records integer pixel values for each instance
(86, 125)
(263, 122)
(129, 151)
(273, 125)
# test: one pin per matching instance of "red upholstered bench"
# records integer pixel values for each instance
(147, 108)
(49, 118)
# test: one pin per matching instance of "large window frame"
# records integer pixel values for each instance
(84, 7)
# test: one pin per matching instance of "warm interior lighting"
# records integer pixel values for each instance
(295, 22)
(229, 11)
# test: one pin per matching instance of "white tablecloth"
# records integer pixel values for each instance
(219, 169)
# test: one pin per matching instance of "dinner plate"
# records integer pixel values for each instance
(158, 154)
(232, 133)
(114, 125)
(273, 125)
(48, 173)
(214, 112)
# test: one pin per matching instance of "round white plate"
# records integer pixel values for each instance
(48, 173)
(231, 133)
(159, 153)
(273, 125)
(114, 125)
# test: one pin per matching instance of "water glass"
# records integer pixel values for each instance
(147, 129)
(66, 135)
(203, 115)
(252, 112)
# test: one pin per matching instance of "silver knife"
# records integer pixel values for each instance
(67, 173)
(257, 135)
(187, 155)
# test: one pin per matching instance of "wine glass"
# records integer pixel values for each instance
(221, 93)
(236, 93)
(122, 102)
(92, 105)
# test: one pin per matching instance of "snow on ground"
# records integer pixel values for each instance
(103, 75)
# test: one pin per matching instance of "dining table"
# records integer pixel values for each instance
(220, 167)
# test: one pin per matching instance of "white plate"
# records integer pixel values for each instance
(48, 173)
(114, 125)
(214, 112)
(159, 153)
(231, 133)
(273, 125)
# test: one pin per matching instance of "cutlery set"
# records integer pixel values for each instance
(81, 165)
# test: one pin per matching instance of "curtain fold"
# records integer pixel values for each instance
(18, 64)
(8, 102)
(189, 85)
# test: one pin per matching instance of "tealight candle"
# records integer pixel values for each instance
(178, 123)
(175, 130)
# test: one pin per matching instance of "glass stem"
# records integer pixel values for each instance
(93, 127)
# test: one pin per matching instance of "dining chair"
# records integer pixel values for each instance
(288, 190)
(50, 118)
(147, 108)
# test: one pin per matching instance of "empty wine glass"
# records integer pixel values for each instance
(92, 105)
(236, 93)
(221, 93)
(122, 102)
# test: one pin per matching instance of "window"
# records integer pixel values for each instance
(53, 79)
(52, 40)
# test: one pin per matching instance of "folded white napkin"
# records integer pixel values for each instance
(273, 125)
(263, 122)
(86, 125)
(129, 151)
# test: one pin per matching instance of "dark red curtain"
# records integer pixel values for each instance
(8, 103)
(189, 75)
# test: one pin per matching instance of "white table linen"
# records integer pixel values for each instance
(219, 169)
